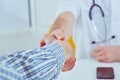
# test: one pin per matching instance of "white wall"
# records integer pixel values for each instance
(20, 40)
(43, 12)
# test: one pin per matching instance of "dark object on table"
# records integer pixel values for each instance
(105, 73)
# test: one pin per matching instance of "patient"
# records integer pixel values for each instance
(43, 63)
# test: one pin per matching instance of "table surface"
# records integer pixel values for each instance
(85, 69)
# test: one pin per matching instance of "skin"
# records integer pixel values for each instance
(107, 54)
(62, 30)
(69, 52)
(63, 26)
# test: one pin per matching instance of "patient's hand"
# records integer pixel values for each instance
(107, 53)
(70, 58)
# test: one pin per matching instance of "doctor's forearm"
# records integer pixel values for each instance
(64, 22)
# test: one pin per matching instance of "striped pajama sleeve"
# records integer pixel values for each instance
(38, 64)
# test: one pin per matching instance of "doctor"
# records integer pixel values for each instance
(94, 26)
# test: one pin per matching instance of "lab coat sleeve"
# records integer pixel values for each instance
(72, 6)
(38, 64)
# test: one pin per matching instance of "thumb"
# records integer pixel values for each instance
(58, 34)
(96, 52)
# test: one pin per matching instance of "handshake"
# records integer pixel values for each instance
(56, 36)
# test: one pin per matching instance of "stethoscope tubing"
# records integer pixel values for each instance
(91, 8)
(103, 15)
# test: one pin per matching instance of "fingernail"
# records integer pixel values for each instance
(42, 44)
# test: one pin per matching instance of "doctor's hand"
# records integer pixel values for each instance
(107, 54)
(56, 34)
(69, 52)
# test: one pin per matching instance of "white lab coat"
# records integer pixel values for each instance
(82, 33)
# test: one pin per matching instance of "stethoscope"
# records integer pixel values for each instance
(94, 27)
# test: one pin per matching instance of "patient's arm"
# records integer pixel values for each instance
(38, 64)
(70, 57)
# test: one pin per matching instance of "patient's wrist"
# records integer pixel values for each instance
(69, 52)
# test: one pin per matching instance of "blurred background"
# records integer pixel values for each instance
(24, 22)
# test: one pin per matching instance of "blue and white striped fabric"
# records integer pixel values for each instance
(38, 64)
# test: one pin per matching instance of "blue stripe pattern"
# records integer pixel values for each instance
(38, 64)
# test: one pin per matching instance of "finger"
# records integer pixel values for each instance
(42, 43)
(97, 49)
(47, 39)
(100, 58)
(98, 54)
(69, 64)
(58, 35)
